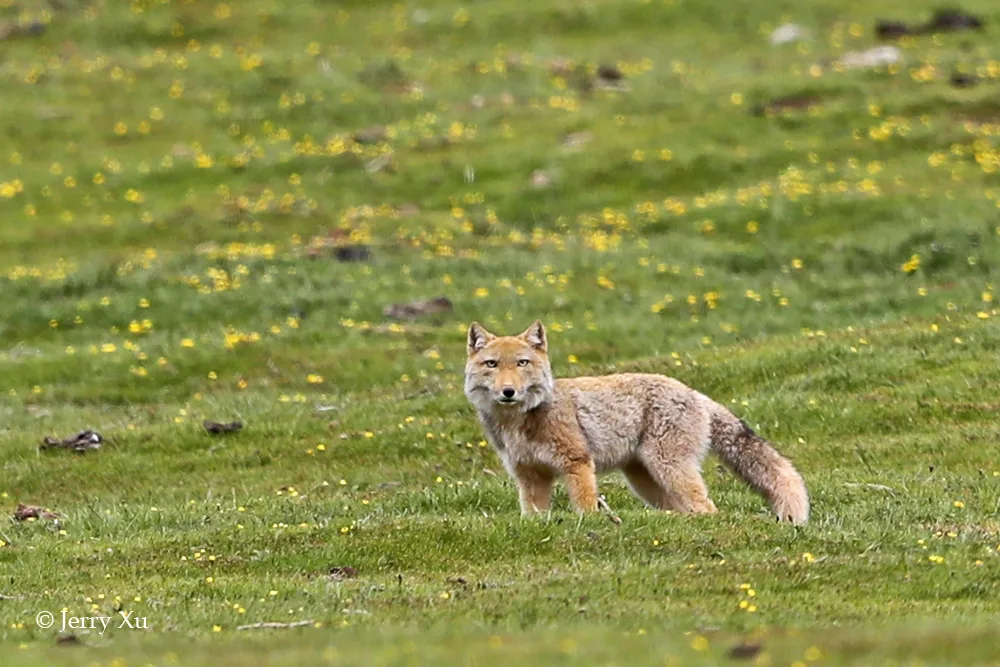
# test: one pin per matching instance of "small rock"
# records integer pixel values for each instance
(216, 428)
(610, 77)
(610, 73)
(943, 20)
(38, 412)
(891, 29)
(81, 442)
(575, 141)
(371, 135)
(952, 20)
(384, 162)
(352, 253)
(963, 80)
(788, 33)
(343, 572)
(9, 29)
(541, 179)
(409, 311)
(560, 67)
(786, 103)
(874, 57)
(744, 651)
(408, 210)
(24, 512)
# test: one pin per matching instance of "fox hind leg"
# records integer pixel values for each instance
(644, 486)
(679, 478)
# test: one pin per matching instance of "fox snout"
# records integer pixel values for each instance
(507, 392)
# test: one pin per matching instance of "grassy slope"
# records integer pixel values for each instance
(172, 163)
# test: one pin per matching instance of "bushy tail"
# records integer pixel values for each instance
(759, 465)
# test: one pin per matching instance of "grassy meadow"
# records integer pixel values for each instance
(206, 209)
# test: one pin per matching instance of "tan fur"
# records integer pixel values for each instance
(652, 427)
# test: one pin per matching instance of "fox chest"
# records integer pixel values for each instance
(516, 450)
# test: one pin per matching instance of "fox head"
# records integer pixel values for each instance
(508, 372)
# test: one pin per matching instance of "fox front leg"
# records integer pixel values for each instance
(534, 488)
(581, 482)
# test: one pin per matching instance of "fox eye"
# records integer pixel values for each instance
(490, 363)
(523, 362)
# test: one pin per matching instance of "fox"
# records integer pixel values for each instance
(653, 428)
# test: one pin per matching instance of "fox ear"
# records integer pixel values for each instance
(535, 336)
(478, 338)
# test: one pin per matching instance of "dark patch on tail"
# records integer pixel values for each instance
(747, 439)
(728, 434)
(716, 429)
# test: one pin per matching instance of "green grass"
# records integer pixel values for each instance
(171, 168)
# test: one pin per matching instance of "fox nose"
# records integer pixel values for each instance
(508, 392)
